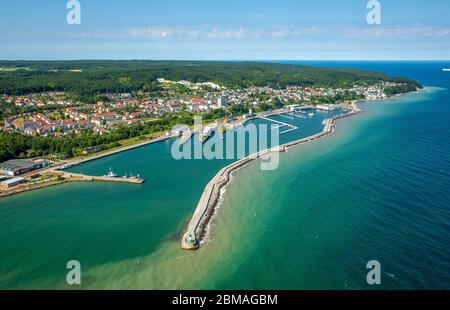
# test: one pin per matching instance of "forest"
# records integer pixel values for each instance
(86, 80)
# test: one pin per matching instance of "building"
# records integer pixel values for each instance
(293, 107)
(94, 149)
(17, 167)
(222, 102)
(4, 178)
(327, 107)
(5, 185)
(34, 175)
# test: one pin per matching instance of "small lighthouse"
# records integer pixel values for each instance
(189, 242)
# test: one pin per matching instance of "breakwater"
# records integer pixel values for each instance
(197, 228)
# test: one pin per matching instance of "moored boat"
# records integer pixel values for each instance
(111, 174)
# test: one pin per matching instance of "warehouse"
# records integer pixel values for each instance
(5, 185)
(17, 167)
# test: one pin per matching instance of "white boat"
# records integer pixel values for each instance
(111, 174)
(446, 69)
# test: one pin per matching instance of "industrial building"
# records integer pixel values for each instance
(17, 167)
(5, 185)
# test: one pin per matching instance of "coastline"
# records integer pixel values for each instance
(198, 226)
(197, 229)
(88, 158)
(22, 190)
(80, 160)
(51, 170)
(83, 159)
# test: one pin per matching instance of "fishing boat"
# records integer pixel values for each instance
(111, 174)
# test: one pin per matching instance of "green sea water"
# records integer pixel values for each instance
(376, 189)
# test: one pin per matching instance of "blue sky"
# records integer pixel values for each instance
(226, 30)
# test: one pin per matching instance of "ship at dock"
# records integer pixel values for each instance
(112, 174)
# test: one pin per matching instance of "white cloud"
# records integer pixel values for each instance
(298, 31)
(294, 31)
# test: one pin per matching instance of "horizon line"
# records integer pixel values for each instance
(228, 60)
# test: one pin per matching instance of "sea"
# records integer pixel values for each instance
(377, 189)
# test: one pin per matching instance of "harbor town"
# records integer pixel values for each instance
(67, 118)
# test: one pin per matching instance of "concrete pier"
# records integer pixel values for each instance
(90, 178)
(282, 124)
(285, 116)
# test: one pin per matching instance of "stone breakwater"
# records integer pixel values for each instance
(197, 228)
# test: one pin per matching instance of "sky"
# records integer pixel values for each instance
(225, 30)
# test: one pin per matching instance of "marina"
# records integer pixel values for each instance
(197, 228)
(281, 124)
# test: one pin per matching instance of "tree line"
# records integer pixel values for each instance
(85, 80)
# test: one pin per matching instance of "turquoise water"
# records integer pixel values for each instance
(376, 189)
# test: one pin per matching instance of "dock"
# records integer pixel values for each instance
(298, 116)
(90, 178)
(285, 116)
(281, 124)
